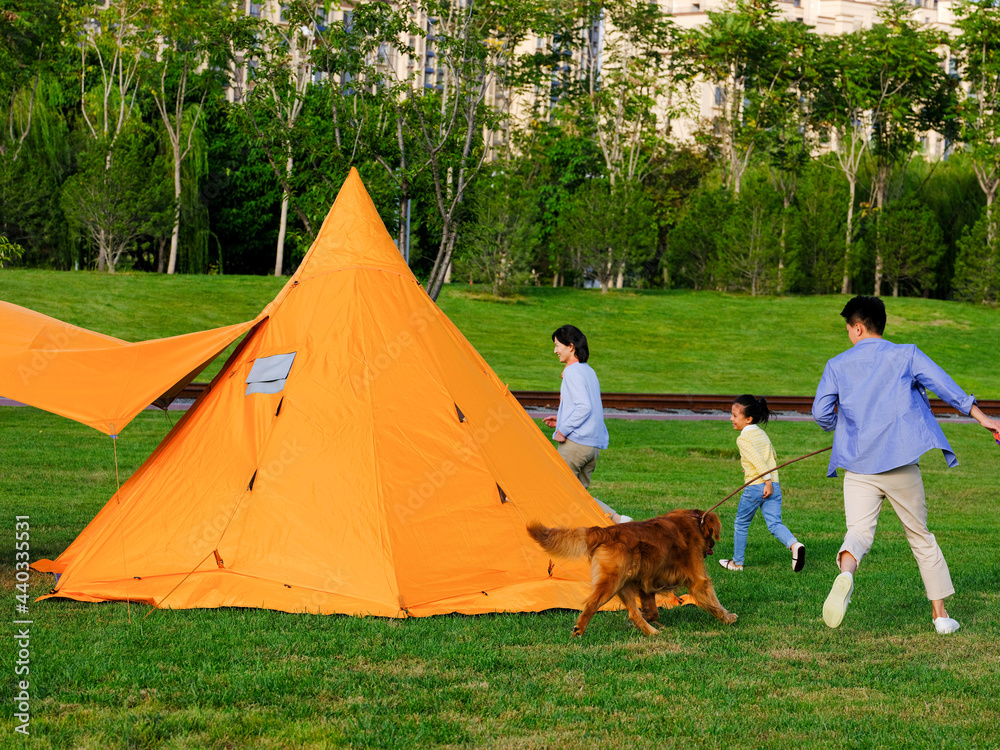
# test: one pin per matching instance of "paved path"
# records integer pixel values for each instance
(715, 416)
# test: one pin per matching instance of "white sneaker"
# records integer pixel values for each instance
(840, 596)
(945, 625)
(624, 519)
(798, 556)
(730, 565)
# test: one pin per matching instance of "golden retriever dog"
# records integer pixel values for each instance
(640, 559)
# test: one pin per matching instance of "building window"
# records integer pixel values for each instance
(255, 9)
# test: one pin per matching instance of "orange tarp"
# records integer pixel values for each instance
(98, 380)
(383, 469)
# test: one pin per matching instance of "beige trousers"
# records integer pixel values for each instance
(581, 459)
(904, 489)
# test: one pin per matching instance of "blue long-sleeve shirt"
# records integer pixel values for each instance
(581, 415)
(883, 418)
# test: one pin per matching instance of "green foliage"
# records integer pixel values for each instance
(336, 87)
(977, 268)
(749, 258)
(908, 238)
(498, 244)
(608, 230)
(907, 92)
(817, 228)
(952, 191)
(759, 65)
(29, 38)
(562, 159)
(9, 250)
(694, 244)
(241, 194)
(118, 193)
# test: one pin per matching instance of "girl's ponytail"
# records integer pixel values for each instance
(754, 408)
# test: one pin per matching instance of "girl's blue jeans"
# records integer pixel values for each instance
(751, 500)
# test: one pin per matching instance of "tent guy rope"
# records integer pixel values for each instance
(121, 527)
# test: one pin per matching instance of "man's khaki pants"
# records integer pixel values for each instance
(904, 489)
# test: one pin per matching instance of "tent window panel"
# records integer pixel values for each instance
(268, 374)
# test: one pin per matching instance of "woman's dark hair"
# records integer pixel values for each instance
(754, 408)
(567, 335)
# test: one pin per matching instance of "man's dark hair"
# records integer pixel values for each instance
(567, 335)
(869, 311)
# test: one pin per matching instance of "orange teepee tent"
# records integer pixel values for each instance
(354, 455)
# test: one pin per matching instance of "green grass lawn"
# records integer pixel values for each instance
(778, 678)
(108, 676)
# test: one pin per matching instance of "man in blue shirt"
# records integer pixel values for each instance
(875, 396)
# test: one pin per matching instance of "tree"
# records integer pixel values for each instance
(629, 73)
(748, 246)
(241, 193)
(842, 107)
(670, 185)
(631, 79)
(184, 44)
(116, 203)
(884, 87)
(817, 229)
(364, 95)
(977, 268)
(608, 228)
(755, 61)
(693, 252)
(499, 239)
(9, 250)
(976, 51)
(789, 137)
(457, 129)
(112, 42)
(909, 94)
(27, 33)
(30, 214)
(280, 70)
(910, 244)
(562, 159)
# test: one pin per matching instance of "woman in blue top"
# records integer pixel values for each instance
(579, 424)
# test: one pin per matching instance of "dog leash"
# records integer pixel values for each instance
(821, 450)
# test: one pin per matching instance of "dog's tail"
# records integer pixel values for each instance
(560, 542)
